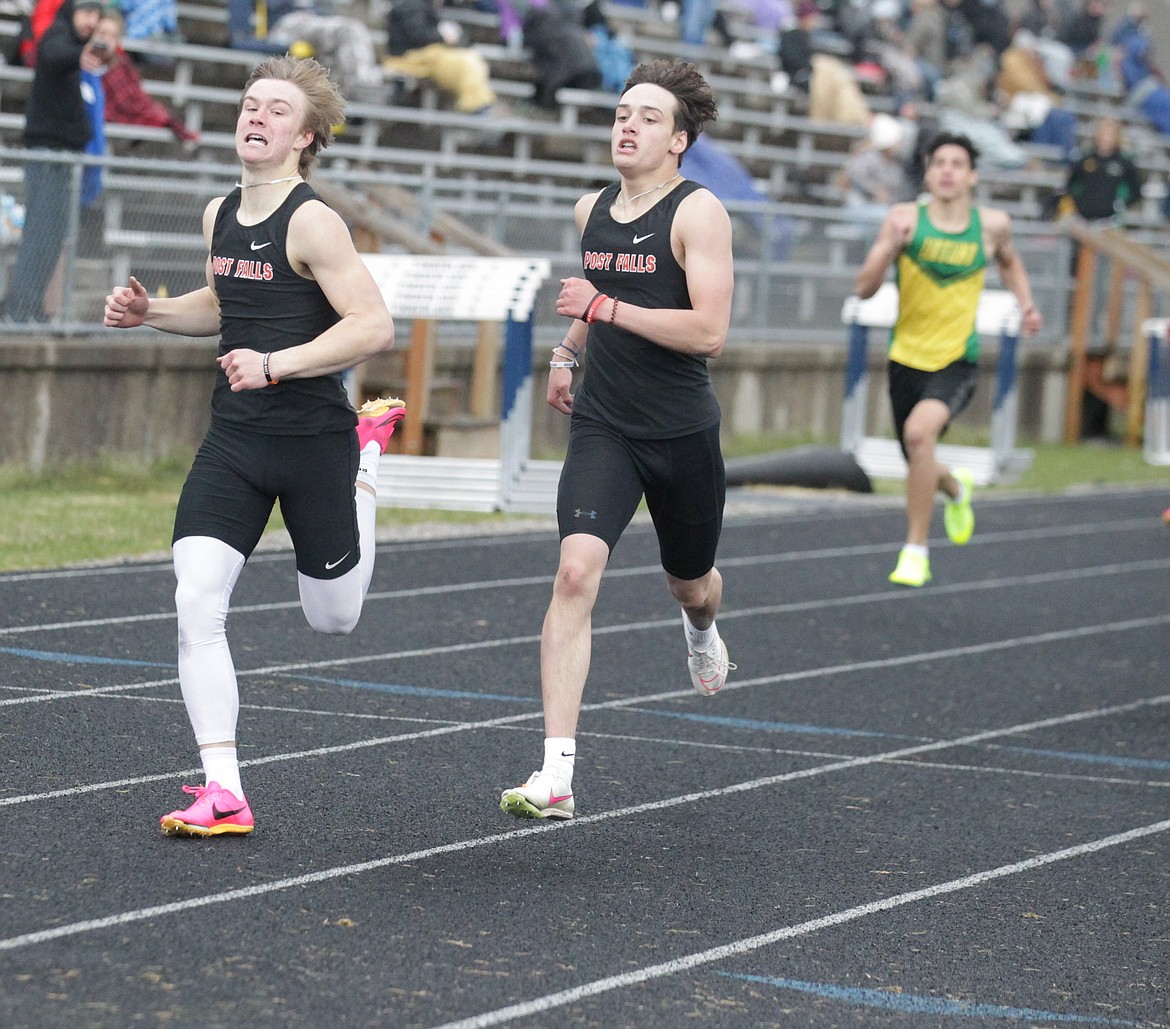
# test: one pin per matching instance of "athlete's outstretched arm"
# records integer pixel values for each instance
(192, 314)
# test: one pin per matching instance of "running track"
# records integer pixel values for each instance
(939, 807)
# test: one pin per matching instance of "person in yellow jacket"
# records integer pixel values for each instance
(940, 248)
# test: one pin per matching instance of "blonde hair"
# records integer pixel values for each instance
(324, 104)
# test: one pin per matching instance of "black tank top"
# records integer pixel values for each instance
(265, 305)
(638, 388)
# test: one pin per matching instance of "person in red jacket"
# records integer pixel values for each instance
(128, 103)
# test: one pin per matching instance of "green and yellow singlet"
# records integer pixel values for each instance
(940, 276)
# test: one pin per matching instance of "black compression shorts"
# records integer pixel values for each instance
(606, 475)
(954, 385)
(238, 476)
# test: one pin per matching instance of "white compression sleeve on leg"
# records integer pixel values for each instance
(206, 570)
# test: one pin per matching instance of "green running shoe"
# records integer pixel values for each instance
(912, 570)
(958, 517)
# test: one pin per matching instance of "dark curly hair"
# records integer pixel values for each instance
(951, 139)
(695, 101)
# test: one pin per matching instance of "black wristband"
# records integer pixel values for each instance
(584, 316)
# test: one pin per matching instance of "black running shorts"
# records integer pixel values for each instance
(238, 476)
(606, 475)
(954, 385)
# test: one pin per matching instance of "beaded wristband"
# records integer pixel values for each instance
(613, 312)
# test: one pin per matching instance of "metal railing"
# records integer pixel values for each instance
(794, 263)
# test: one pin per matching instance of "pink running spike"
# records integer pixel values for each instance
(215, 811)
(377, 420)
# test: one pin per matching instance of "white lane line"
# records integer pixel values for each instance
(754, 612)
(539, 1005)
(328, 874)
(655, 570)
(610, 705)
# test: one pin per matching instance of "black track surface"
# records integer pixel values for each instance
(935, 807)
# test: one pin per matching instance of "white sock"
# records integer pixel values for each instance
(220, 765)
(560, 753)
(963, 495)
(915, 548)
(699, 639)
(368, 461)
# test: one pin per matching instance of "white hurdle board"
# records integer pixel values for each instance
(998, 314)
(471, 288)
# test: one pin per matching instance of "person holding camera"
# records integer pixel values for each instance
(56, 121)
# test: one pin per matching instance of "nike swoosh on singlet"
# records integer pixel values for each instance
(330, 565)
(260, 246)
(638, 239)
(216, 813)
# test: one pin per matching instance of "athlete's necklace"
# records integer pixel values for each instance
(636, 196)
(273, 182)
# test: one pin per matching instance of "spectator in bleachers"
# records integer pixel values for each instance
(55, 120)
(1142, 79)
(614, 59)
(423, 46)
(103, 44)
(310, 28)
(128, 103)
(555, 33)
(1082, 31)
(833, 93)
(40, 18)
(1022, 70)
(340, 42)
(926, 41)
(150, 19)
(697, 18)
(248, 27)
(1103, 183)
(795, 45)
(874, 176)
(1132, 21)
(988, 21)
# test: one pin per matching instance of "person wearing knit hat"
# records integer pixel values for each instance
(55, 119)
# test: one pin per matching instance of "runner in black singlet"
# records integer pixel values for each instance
(294, 307)
(653, 305)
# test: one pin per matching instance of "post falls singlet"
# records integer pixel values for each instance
(266, 306)
(636, 387)
(940, 277)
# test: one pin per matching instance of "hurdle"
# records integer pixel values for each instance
(998, 313)
(426, 289)
(1156, 441)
